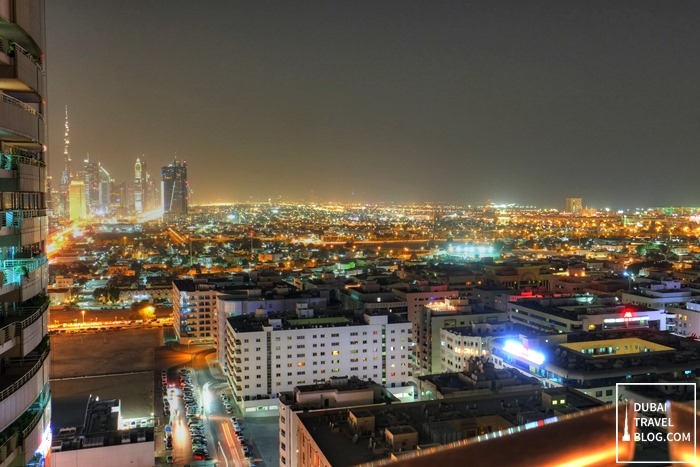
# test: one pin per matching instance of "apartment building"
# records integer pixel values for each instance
(459, 344)
(448, 313)
(271, 353)
(194, 312)
(201, 306)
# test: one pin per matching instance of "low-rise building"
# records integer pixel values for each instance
(480, 376)
(460, 344)
(594, 363)
(368, 435)
(335, 392)
(102, 440)
(586, 313)
(659, 294)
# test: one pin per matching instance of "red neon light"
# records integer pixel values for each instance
(628, 314)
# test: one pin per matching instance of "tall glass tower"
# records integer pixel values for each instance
(174, 191)
(25, 399)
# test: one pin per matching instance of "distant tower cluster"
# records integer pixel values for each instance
(574, 205)
(174, 191)
(91, 191)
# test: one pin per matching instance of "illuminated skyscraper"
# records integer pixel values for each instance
(78, 200)
(105, 192)
(91, 178)
(174, 190)
(66, 174)
(574, 205)
(138, 187)
(25, 399)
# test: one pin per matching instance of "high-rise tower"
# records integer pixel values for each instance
(138, 187)
(174, 191)
(91, 178)
(25, 399)
(77, 192)
(66, 173)
(574, 205)
(105, 192)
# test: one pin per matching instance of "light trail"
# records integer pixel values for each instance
(223, 453)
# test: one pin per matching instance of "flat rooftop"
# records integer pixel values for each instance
(340, 450)
(513, 329)
(624, 346)
(324, 321)
(574, 308)
(290, 320)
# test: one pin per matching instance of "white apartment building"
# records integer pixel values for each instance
(271, 353)
(194, 312)
(687, 319)
(459, 344)
(415, 297)
(448, 313)
(201, 307)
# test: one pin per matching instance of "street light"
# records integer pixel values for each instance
(629, 280)
(82, 312)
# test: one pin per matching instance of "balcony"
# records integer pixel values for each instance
(23, 227)
(27, 14)
(17, 371)
(22, 380)
(25, 434)
(21, 123)
(20, 72)
(29, 321)
(25, 278)
(22, 173)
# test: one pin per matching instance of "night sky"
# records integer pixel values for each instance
(386, 101)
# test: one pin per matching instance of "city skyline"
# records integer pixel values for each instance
(464, 103)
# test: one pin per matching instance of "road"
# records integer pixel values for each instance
(223, 446)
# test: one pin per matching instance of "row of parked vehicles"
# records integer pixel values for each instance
(164, 388)
(200, 450)
(237, 426)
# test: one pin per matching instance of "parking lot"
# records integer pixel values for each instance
(105, 365)
(128, 365)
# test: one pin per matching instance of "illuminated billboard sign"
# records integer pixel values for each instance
(519, 350)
